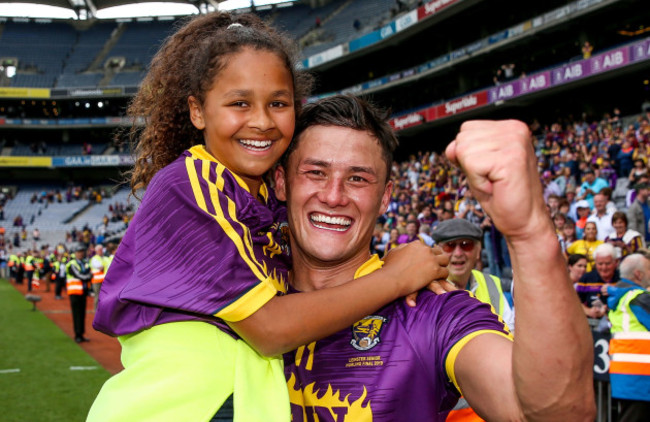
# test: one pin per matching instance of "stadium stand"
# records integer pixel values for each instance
(41, 50)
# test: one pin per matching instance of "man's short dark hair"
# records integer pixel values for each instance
(351, 112)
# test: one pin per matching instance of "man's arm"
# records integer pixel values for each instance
(546, 374)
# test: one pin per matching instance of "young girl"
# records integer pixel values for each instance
(205, 256)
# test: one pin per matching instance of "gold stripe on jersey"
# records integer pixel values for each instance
(256, 297)
(494, 311)
(450, 362)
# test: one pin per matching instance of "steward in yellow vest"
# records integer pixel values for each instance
(77, 277)
(629, 348)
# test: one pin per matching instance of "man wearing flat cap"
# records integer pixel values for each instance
(77, 277)
(460, 240)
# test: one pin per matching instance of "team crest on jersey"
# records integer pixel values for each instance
(365, 333)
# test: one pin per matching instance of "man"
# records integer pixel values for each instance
(460, 240)
(591, 186)
(77, 277)
(98, 270)
(602, 217)
(638, 214)
(590, 285)
(411, 234)
(405, 364)
(629, 370)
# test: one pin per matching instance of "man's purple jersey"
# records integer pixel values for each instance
(394, 365)
(200, 247)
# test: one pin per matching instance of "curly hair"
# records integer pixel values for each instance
(186, 65)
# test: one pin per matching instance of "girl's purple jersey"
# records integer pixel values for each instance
(394, 365)
(200, 247)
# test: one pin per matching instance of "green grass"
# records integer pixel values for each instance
(45, 389)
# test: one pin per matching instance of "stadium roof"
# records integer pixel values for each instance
(100, 4)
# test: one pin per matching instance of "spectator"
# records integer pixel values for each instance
(577, 265)
(638, 214)
(587, 245)
(601, 217)
(624, 240)
(589, 288)
(587, 48)
(591, 186)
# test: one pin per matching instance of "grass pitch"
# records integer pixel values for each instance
(44, 375)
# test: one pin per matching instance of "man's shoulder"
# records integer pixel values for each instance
(432, 308)
(591, 277)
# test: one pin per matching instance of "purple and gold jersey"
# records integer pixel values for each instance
(200, 247)
(394, 365)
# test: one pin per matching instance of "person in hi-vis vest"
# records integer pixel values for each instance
(98, 270)
(77, 277)
(629, 369)
(460, 240)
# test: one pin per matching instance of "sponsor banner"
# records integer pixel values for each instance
(433, 7)
(39, 122)
(375, 83)
(458, 53)
(387, 31)
(325, 56)
(560, 13)
(570, 72)
(431, 113)
(462, 104)
(535, 82)
(8, 161)
(504, 91)
(610, 60)
(440, 61)
(583, 4)
(95, 92)
(408, 72)
(519, 29)
(411, 18)
(74, 122)
(365, 41)
(409, 120)
(495, 38)
(640, 51)
(9, 92)
(92, 161)
(352, 90)
(394, 77)
(478, 45)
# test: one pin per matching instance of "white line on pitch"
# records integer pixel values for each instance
(83, 368)
(9, 371)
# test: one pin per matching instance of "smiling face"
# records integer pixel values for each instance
(577, 270)
(335, 187)
(248, 115)
(461, 260)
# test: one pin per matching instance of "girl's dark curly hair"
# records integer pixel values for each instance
(186, 65)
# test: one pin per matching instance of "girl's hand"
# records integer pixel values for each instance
(415, 265)
(438, 287)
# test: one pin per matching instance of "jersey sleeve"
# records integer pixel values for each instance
(194, 251)
(456, 318)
